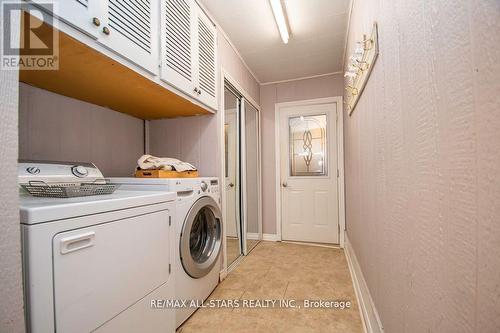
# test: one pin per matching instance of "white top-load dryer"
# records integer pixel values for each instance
(94, 263)
(199, 235)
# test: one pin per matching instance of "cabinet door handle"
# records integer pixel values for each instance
(96, 21)
(77, 242)
(199, 91)
(106, 31)
(196, 90)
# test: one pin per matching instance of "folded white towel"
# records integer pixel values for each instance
(149, 162)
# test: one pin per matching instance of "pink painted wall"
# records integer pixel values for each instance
(232, 64)
(11, 269)
(422, 165)
(196, 139)
(191, 139)
(325, 86)
(60, 128)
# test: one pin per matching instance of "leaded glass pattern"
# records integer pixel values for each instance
(308, 145)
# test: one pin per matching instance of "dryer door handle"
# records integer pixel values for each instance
(77, 242)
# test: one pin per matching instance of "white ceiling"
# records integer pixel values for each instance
(316, 46)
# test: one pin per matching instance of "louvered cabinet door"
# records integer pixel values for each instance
(206, 62)
(177, 44)
(78, 13)
(131, 29)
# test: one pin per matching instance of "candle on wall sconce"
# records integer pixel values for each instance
(363, 65)
(353, 90)
(359, 50)
(359, 67)
(354, 70)
(367, 43)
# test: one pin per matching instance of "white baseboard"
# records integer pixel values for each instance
(369, 314)
(330, 246)
(253, 235)
(270, 237)
(266, 237)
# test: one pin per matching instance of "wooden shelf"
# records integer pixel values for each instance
(91, 76)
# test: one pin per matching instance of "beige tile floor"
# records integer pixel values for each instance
(233, 248)
(283, 271)
(251, 243)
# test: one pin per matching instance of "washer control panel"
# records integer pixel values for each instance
(214, 185)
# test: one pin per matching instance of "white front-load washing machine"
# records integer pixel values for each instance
(198, 224)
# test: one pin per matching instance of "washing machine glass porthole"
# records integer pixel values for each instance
(203, 235)
(200, 243)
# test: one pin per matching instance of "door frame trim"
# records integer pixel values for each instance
(340, 158)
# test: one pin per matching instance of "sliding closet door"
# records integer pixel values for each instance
(232, 175)
(251, 177)
(242, 174)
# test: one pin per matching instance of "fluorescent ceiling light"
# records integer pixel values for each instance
(279, 16)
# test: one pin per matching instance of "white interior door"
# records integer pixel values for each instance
(308, 171)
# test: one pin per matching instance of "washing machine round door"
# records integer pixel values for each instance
(200, 243)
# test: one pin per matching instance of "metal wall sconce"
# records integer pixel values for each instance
(360, 67)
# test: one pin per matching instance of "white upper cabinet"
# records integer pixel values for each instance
(206, 52)
(188, 50)
(84, 15)
(177, 44)
(174, 35)
(131, 28)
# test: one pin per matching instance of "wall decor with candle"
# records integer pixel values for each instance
(359, 67)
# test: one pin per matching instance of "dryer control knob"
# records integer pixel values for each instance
(33, 170)
(204, 186)
(80, 171)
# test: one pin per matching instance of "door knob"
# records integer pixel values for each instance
(284, 184)
(231, 185)
(96, 21)
(106, 31)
